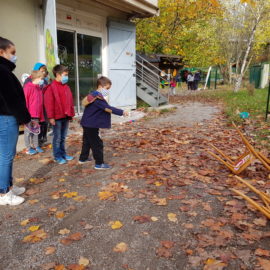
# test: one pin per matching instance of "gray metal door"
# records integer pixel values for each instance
(122, 68)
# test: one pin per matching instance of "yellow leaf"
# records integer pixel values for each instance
(70, 194)
(83, 261)
(212, 264)
(121, 247)
(172, 217)
(37, 180)
(35, 237)
(62, 180)
(104, 195)
(25, 222)
(60, 214)
(33, 228)
(158, 184)
(116, 225)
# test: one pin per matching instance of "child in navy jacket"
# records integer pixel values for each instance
(97, 114)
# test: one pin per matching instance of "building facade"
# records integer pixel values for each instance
(91, 37)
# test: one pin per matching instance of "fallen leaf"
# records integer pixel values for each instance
(25, 222)
(116, 225)
(35, 237)
(121, 247)
(265, 264)
(76, 236)
(105, 195)
(80, 198)
(70, 194)
(33, 228)
(262, 252)
(84, 261)
(64, 231)
(60, 214)
(172, 217)
(32, 202)
(50, 250)
(159, 201)
(76, 267)
(37, 180)
(154, 219)
(62, 180)
(142, 219)
(212, 264)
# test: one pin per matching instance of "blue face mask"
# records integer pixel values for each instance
(64, 79)
(46, 79)
(13, 59)
(41, 82)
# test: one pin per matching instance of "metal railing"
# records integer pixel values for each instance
(150, 75)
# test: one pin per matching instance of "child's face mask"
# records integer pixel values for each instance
(64, 79)
(104, 92)
(41, 82)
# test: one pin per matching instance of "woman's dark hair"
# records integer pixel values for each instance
(59, 69)
(5, 43)
(103, 81)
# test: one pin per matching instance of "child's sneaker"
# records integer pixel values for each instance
(11, 199)
(103, 167)
(31, 152)
(68, 158)
(60, 161)
(18, 190)
(39, 150)
(85, 161)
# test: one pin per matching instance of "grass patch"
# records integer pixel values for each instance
(242, 101)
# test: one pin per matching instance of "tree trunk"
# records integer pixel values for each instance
(238, 82)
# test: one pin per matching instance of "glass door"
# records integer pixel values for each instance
(67, 57)
(89, 63)
(82, 55)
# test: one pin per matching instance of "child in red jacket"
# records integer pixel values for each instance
(59, 107)
(34, 103)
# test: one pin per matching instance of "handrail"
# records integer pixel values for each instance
(144, 60)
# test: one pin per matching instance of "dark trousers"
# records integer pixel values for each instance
(42, 137)
(91, 140)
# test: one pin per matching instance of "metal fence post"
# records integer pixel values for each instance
(267, 105)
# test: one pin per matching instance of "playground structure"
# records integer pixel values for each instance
(240, 164)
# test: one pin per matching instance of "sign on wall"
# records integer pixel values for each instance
(50, 33)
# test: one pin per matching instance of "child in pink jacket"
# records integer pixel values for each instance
(34, 102)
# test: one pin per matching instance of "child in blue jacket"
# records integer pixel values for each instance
(97, 114)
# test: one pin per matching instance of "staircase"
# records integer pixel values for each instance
(148, 83)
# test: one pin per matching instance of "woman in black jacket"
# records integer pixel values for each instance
(13, 112)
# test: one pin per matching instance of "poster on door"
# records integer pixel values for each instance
(50, 32)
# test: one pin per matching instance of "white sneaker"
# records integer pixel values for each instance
(11, 199)
(18, 190)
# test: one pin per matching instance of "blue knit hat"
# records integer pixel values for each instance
(37, 66)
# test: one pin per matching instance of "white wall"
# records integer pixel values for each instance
(20, 22)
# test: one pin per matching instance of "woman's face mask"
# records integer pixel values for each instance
(9, 54)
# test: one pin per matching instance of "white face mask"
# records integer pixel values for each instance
(13, 59)
(104, 92)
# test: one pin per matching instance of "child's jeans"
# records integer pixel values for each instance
(91, 140)
(30, 139)
(9, 132)
(59, 138)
